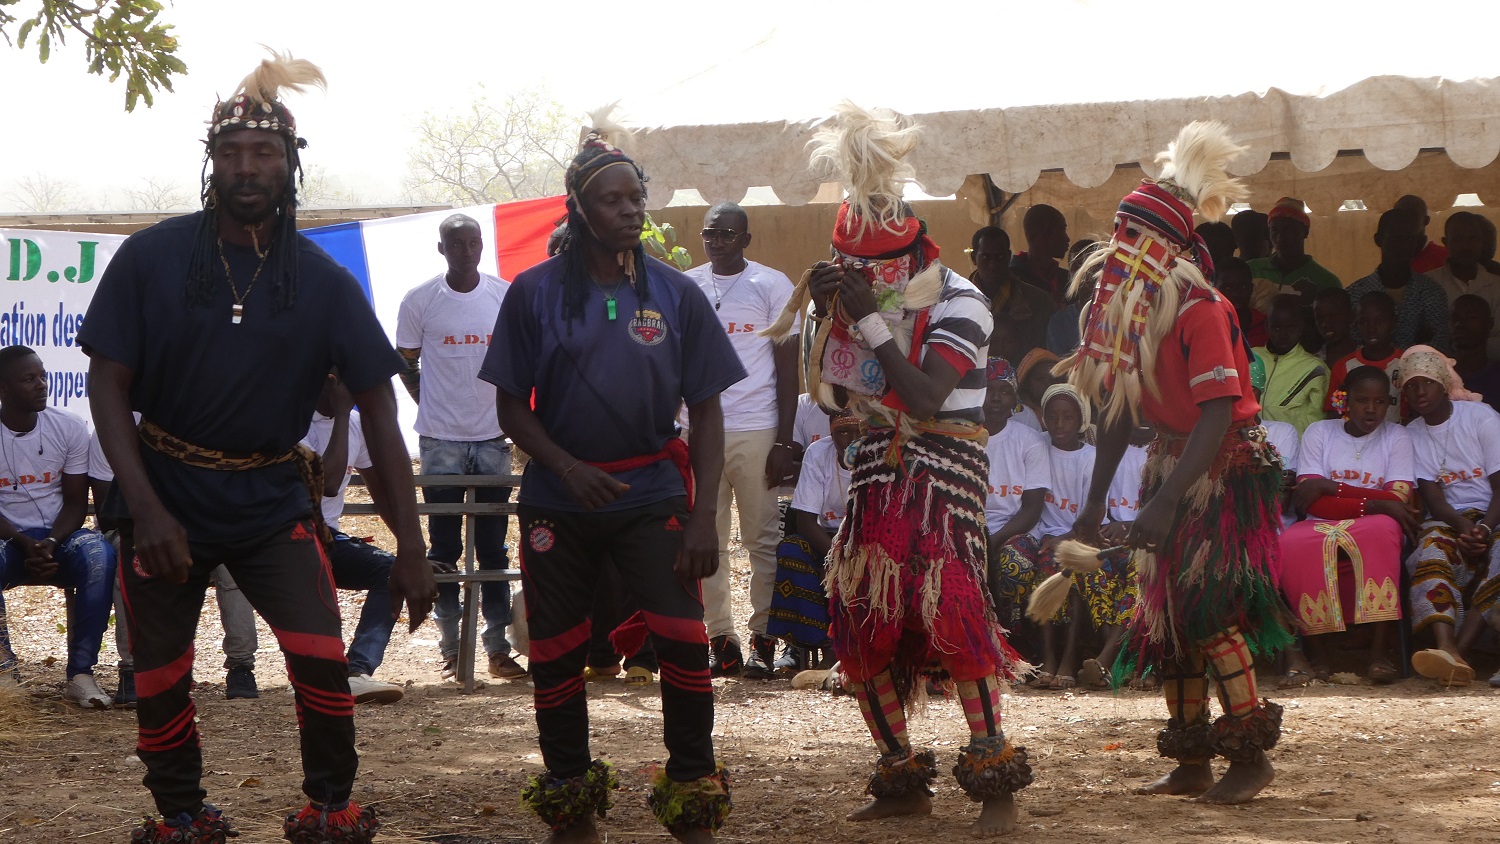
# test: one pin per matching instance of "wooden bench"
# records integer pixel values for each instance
(469, 577)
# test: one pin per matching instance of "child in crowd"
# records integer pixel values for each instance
(799, 607)
(1296, 381)
(1124, 504)
(1071, 459)
(1333, 314)
(1033, 377)
(1343, 565)
(1377, 321)
(1237, 284)
(1453, 572)
(1020, 476)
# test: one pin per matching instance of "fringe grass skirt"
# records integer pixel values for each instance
(1220, 567)
(906, 574)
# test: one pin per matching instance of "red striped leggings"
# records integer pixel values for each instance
(560, 568)
(286, 578)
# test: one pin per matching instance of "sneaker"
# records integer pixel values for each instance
(449, 672)
(209, 826)
(366, 690)
(724, 657)
(83, 691)
(505, 667)
(240, 683)
(125, 691)
(351, 824)
(792, 659)
(758, 666)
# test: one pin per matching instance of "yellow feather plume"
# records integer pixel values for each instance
(281, 71)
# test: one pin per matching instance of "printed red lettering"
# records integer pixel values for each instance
(27, 479)
(1016, 490)
(449, 341)
(471, 339)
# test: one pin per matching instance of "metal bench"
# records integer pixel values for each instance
(469, 577)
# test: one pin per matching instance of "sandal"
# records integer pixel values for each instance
(1295, 678)
(592, 674)
(1063, 682)
(1382, 672)
(1145, 681)
(1041, 680)
(638, 676)
(1093, 675)
(1437, 664)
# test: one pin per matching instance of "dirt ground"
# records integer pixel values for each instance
(1406, 762)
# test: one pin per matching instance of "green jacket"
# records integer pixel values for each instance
(1296, 384)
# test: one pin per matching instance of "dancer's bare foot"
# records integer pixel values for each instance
(694, 836)
(893, 807)
(1188, 780)
(1241, 782)
(583, 832)
(997, 818)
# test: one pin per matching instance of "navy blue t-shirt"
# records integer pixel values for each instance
(241, 388)
(609, 391)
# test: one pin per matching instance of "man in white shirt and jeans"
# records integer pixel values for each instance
(759, 452)
(44, 463)
(443, 330)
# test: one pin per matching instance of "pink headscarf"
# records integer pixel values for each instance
(1427, 362)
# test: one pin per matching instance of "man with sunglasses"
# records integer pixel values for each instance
(759, 452)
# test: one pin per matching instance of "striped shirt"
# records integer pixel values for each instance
(959, 325)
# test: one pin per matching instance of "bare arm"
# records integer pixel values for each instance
(75, 507)
(1110, 443)
(411, 576)
(816, 535)
(411, 376)
(781, 462)
(160, 542)
(1156, 517)
(1025, 518)
(698, 556)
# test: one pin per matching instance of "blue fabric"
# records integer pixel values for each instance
(345, 243)
(360, 566)
(609, 390)
(446, 538)
(85, 564)
(799, 606)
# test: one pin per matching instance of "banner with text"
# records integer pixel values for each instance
(49, 278)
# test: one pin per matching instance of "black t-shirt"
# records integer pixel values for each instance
(608, 391)
(241, 388)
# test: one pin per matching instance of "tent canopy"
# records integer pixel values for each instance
(1021, 95)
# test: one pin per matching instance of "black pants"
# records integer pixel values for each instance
(560, 565)
(286, 578)
(613, 604)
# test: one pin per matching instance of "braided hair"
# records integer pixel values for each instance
(595, 155)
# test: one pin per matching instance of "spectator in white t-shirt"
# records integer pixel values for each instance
(443, 329)
(1020, 476)
(1454, 574)
(338, 438)
(799, 606)
(44, 461)
(759, 451)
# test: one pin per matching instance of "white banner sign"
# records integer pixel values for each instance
(49, 278)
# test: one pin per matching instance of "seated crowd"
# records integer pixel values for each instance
(1390, 450)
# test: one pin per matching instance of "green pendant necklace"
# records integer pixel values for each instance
(610, 309)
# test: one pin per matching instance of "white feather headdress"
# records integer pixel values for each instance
(278, 73)
(866, 150)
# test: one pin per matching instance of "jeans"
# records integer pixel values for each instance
(446, 542)
(85, 564)
(361, 566)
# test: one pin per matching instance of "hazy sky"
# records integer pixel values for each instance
(388, 63)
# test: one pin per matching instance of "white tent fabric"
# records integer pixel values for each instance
(1390, 119)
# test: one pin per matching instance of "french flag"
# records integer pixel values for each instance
(392, 255)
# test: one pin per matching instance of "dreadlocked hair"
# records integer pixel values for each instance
(281, 264)
(595, 153)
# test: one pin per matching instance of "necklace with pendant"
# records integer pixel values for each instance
(610, 309)
(237, 312)
(714, 277)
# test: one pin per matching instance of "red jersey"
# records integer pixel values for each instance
(1204, 358)
(1432, 256)
(1390, 364)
